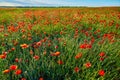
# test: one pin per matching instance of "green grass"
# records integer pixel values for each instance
(72, 29)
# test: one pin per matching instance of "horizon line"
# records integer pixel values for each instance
(60, 6)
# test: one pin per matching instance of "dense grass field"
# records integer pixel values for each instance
(60, 43)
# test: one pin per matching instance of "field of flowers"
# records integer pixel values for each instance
(60, 43)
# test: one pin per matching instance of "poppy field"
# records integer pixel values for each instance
(60, 43)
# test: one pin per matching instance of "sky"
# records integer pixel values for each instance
(89, 3)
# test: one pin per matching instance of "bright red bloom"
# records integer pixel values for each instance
(12, 49)
(101, 59)
(24, 46)
(108, 36)
(17, 72)
(101, 72)
(102, 54)
(5, 53)
(76, 69)
(88, 64)
(13, 67)
(3, 56)
(55, 54)
(84, 46)
(92, 41)
(36, 57)
(23, 79)
(89, 46)
(79, 55)
(39, 43)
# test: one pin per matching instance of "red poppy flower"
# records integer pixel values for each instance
(89, 46)
(17, 72)
(83, 46)
(76, 69)
(13, 67)
(36, 57)
(39, 43)
(24, 46)
(12, 49)
(23, 79)
(101, 72)
(55, 54)
(79, 55)
(88, 64)
(5, 53)
(101, 59)
(102, 54)
(3, 56)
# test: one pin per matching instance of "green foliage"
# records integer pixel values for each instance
(50, 30)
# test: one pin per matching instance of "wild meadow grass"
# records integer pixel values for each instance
(60, 43)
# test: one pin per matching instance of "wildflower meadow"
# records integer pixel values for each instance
(60, 43)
